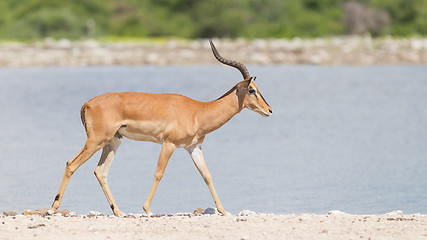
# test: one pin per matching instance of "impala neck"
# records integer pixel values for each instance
(220, 111)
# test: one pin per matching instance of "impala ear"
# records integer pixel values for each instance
(250, 80)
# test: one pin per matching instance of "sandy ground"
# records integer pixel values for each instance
(245, 225)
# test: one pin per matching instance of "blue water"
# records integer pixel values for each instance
(341, 137)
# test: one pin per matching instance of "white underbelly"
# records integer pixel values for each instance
(138, 136)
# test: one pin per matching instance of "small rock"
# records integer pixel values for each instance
(324, 231)
(183, 214)
(9, 213)
(39, 212)
(63, 212)
(395, 213)
(42, 212)
(247, 213)
(241, 219)
(26, 212)
(71, 214)
(336, 212)
(210, 211)
(94, 214)
(198, 211)
(33, 226)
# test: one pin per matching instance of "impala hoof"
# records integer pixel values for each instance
(149, 213)
(119, 213)
(50, 212)
(224, 213)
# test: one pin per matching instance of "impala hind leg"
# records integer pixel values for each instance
(101, 172)
(165, 155)
(197, 156)
(88, 150)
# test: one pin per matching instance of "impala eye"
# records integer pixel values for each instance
(251, 91)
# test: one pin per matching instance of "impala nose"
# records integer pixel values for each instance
(270, 111)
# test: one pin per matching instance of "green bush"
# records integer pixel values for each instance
(47, 23)
(29, 19)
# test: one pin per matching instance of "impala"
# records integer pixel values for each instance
(173, 120)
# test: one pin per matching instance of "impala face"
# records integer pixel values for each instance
(255, 101)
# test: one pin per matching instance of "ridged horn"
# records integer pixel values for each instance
(240, 66)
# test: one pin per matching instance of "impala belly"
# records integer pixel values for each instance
(138, 136)
(142, 131)
(158, 132)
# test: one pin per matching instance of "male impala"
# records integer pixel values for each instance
(173, 120)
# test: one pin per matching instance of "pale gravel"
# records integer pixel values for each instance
(353, 50)
(334, 225)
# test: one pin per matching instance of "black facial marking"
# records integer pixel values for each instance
(112, 207)
(57, 197)
(264, 99)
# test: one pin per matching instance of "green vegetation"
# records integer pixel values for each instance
(34, 19)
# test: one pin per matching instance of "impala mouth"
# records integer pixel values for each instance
(267, 114)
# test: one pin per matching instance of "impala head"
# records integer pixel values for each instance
(248, 92)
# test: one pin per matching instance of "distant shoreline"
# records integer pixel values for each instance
(245, 225)
(350, 50)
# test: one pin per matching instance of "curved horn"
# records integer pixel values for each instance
(231, 63)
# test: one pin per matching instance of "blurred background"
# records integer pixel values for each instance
(35, 19)
(347, 81)
(162, 32)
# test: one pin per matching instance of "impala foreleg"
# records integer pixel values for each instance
(165, 154)
(72, 165)
(101, 172)
(197, 156)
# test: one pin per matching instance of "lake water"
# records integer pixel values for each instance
(341, 137)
